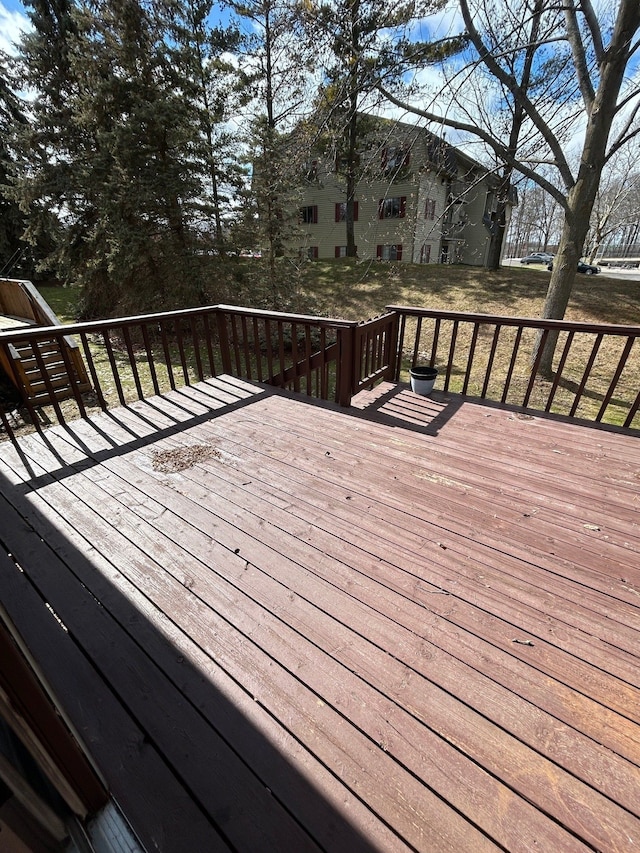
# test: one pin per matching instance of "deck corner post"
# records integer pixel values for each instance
(392, 355)
(345, 378)
(223, 338)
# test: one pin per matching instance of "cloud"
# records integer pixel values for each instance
(12, 24)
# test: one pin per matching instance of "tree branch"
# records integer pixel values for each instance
(579, 56)
(594, 28)
(500, 150)
(519, 95)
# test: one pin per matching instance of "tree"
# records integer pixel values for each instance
(275, 69)
(357, 34)
(596, 57)
(201, 52)
(12, 224)
(616, 205)
(109, 148)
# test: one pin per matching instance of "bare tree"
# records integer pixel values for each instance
(593, 56)
(617, 202)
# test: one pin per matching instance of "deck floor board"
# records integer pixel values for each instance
(409, 625)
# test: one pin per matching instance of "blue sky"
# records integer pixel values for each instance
(12, 19)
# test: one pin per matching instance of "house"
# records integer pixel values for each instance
(418, 199)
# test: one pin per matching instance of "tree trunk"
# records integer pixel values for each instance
(565, 264)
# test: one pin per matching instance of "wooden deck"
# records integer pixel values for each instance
(277, 625)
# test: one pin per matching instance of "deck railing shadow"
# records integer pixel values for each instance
(147, 430)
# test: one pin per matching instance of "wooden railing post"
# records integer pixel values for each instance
(223, 338)
(345, 374)
(391, 354)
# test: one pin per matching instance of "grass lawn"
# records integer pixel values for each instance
(360, 290)
(357, 291)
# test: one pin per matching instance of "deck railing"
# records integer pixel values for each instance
(136, 357)
(596, 367)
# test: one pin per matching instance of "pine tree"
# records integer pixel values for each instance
(14, 255)
(113, 154)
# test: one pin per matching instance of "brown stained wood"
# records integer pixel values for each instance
(104, 722)
(258, 625)
(421, 816)
(234, 799)
(415, 615)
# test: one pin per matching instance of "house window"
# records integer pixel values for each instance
(341, 211)
(425, 253)
(395, 158)
(341, 251)
(392, 252)
(312, 252)
(309, 214)
(310, 171)
(430, 208)
(392, 208)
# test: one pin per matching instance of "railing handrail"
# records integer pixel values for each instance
(88, 326)
(530, 322)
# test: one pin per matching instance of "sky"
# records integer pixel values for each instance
(12, 20)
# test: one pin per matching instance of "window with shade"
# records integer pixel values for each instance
(394, 207)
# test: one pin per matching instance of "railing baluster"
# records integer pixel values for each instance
(196, 348)
(268, 333)
(281, 352)
(492, 355)
(245, 347)
(132, 361)
(183, 359)
(400, 347)
(472, 349)
(452, 349)
(585, 375)
(92, 370)
(72, 377)
(294, 356)
(416, 345)
(535, 366)
(324, 367)
(150, 359)
(114, 367)
(560, 368)
(307, 357)
(208, 336)
(235, 345)
(616, 377)
(632, 412)
(434, 343)
(512, 364)
(257, 353)
(167, 355)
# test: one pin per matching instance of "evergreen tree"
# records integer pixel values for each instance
(365, 40)
(111, 148)
(201, 52)
(275, 83)
(14, 258)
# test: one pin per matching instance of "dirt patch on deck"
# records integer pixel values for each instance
(179, 458)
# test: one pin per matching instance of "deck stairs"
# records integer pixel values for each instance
(44, 370)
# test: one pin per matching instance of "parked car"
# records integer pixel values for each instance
(537, 258)
(587, 269)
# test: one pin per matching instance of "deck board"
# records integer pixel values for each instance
(388, 628)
